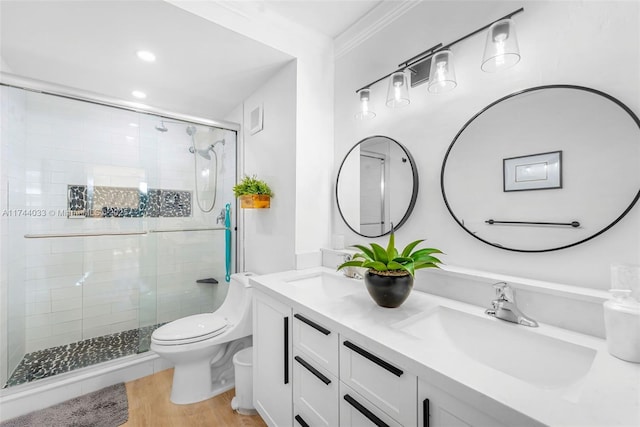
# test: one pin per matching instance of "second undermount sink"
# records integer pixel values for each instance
(538, 359)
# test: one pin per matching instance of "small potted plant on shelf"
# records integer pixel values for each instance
(253, 193)
(389, 278)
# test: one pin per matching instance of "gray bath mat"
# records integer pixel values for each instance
(107, 407)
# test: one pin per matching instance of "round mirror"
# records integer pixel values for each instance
(544, 169)
(377, 185)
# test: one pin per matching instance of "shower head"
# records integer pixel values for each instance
(205, 153)
(162, 127)
(202, 152)
(191, 130)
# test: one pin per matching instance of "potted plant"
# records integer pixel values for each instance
(253, 193)
(389, 278)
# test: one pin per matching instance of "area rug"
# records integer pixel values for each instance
(107, 407)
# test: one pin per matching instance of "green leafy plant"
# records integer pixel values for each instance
(252, 185)
(390, 262)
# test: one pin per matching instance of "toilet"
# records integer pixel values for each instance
(193, 343)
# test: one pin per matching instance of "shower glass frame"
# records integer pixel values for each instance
(152, 239)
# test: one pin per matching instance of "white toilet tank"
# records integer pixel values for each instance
(237, 306)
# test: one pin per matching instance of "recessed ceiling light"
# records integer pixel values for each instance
(139, 94)
(146, 56)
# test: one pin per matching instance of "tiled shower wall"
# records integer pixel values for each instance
(12, 182)
(81, 287)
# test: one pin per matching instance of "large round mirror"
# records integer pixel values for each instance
(377, 185)
(544, 169)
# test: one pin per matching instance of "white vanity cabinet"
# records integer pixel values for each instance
(356, 411)
(272, 358)
(307, 375)
(315, 373)
(437, 408)
(388, 386)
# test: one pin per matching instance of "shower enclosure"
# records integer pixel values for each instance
(113, 222)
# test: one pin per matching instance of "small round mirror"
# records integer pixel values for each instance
(377, 185)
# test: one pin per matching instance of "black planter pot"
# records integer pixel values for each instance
(388, 291)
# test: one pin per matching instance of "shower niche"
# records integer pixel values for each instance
(119, 202)
(149, 188)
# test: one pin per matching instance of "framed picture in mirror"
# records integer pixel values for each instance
(533, 172)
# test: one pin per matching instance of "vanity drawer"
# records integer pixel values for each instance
(356, 411)
(315, 394)
(382, 382)
(318, 342)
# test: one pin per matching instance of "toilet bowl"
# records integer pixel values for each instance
(193, 343)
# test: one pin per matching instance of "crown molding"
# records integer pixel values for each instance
(367, 26)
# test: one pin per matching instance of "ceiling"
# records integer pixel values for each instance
(202, 69)
(328, 17)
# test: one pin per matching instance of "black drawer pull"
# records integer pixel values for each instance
(311, 323)
(364, 411)
(286, 350)
(313, 370)
(375, 359)
(425, 412)
(300, 421)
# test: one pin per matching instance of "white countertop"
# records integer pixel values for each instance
(607, 395)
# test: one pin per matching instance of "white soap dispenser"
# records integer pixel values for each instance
(622, 325)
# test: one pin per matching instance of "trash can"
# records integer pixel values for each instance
(243, 366)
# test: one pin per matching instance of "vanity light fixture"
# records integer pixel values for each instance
(398, 92)
(435, 65)
(365, 113)
(501, 50)
(442, 75)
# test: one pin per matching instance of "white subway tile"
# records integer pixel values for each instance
(38, 308)
(63, 305)
(74, 292)
(66, 316)
(43, 331)
(38, 320)
(74, 326)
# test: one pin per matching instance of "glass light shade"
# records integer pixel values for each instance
(501, 50)
(398, 92)
(365, 113)
(442, 74)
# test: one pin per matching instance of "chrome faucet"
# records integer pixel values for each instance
(351, 272)
(504, 306)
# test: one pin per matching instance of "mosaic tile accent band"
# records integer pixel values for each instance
(57, 360)
(123, 202)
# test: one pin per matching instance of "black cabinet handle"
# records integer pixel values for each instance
(313, 370)
(286, 350)
(375, 359)
(364, 411)
(300, 421)
(425, 413)
(313, 324)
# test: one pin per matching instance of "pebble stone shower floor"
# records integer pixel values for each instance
(56, 360)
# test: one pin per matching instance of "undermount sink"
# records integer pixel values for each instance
(538, 359)
(327, 284)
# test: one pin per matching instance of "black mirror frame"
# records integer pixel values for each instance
(532, 89)
(414, 194)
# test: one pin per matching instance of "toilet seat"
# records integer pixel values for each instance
(190, 329)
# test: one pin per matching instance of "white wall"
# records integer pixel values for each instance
(313, 120)
(561, 42)
(269, 234)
